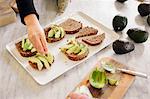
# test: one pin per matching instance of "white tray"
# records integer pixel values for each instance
(62, 63)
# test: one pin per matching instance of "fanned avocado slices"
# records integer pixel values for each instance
(56, 32)
(42, 61)
(98, 78)
(37, 61)
(27, 45)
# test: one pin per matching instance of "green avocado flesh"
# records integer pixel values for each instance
(98, 78)
(42, 60)
(74, 47)
(56, 32)
(27, 45)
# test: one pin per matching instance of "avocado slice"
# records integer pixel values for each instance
(62, 32)
(50, 58)
(66, 47)
(30, 46)
(72, 49)
(36, 60)
(78, 49)
(51, 33)
(57, 34)
(45, 62)
(33, 50)
(23, 42)
(83, 50)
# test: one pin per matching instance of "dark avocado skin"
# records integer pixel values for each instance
(148, 20)
(144, 9)
(119, 23)
(137, 35)
(122, 47)
(122, 1)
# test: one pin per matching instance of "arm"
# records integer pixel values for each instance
(30, 17)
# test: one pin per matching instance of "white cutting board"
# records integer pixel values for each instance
(62, 63)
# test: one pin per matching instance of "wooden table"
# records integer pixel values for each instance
(16, 82)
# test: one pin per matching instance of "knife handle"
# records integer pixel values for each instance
(143, 75)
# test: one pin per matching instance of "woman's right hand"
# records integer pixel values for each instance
(36, 34)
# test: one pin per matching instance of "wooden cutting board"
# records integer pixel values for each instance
(111, 92)
(7, 14)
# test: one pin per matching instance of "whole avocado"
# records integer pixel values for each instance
(144, 9)
(122, 47)
(137, 35)
(148, 20)
(122, 1)
(119, 23)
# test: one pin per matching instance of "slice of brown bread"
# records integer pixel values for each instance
(94, 40)
(77, 57)
(71, 26)
(51, 40)
(22, 52)
(86, 31)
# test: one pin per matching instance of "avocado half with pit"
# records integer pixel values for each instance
(41, 62)
(138, 35)
(75, 50)
(25, 48)
(54, 33)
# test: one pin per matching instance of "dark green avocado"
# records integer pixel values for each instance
(144, 9)
(137, 35)
(148, 20)
(119, 23)
(122, 47)
(122, 1)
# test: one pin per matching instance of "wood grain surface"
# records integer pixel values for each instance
(16, 82)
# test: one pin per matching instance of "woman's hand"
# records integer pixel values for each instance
(36, 33)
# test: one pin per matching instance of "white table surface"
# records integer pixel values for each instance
(16, 82)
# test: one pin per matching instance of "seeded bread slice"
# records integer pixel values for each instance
(94, 40)
(71, 26)
(86, 31)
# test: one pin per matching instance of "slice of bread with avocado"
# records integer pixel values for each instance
(54, 33)
(41, 62)
(26, 48)
(71, 26)
(75, 50)
(94, 40)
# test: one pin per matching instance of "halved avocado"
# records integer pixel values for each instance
(37, 61)
(137, 35)
(98, 78)
(51, 33)
(83, 50)
(50, 58)
(45, 62)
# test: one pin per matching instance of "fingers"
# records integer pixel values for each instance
(44, 43)
(37, 44)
